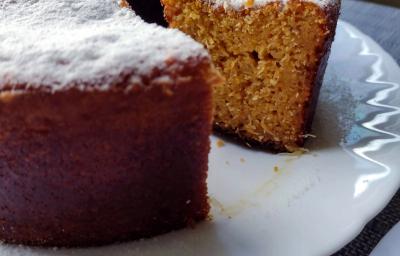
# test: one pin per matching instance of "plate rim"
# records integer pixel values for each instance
(371, 48)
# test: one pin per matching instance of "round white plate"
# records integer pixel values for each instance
(303, 205)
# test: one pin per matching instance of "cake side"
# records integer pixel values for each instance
(273, 58)
(332, 13)
(82, 168)
(104, 126)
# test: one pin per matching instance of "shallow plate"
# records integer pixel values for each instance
(310, 204)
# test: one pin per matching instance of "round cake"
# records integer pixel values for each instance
(104, 125)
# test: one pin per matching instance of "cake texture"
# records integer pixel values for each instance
(273, 55)
(104, 125)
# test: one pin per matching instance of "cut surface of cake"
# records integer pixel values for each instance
(104, 125)
(273, 55)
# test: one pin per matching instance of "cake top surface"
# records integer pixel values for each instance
(240, 4)
(59, 43)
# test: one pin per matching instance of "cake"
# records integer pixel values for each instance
(273, 54)
(104, 125)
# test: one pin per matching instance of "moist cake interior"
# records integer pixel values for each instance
(269, 56)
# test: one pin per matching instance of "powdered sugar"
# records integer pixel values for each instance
(240, 4)
(56, 43)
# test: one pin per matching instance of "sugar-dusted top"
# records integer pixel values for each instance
(240, 4)
(63, 42)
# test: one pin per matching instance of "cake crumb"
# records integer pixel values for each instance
(7, 97)
(298, 152)
(242, 160)
(276, 169)
(302, 151)
(213, 201)
(167, 90)
(249, 3)
(220, 143)
(217, 204)
(123, 4)
(308, 136)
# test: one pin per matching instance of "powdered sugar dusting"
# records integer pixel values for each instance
(56, 43)
(241, 4)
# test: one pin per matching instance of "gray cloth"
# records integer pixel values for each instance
(374, 231)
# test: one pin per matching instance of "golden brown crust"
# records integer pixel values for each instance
(270, 146)
(81, 167)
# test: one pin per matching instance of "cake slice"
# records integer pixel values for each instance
(273, 54)
(104, 125)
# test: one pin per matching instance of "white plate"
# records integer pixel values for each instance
(265, 204)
